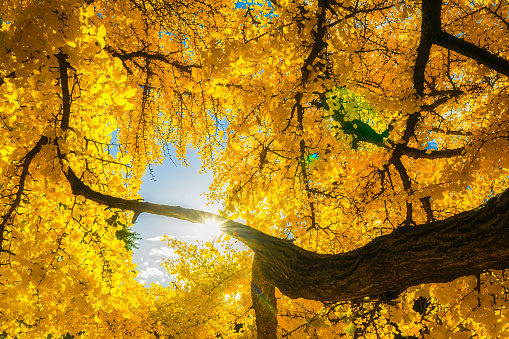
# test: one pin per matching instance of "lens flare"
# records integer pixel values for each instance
(212, 228)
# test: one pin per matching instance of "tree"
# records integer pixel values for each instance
(364, 144)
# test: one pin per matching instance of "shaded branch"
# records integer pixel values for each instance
(27, 160)
(64, 84)
(430, 25)
(429, 154)
(148, 56)
(396, 161)
(305, 177)
(426, 205)
(319, 43)
(472, 51)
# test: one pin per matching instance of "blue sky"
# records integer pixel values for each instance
(175, 185)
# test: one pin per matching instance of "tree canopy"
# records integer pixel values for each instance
(364, 144)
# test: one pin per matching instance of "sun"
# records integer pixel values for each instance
(211, 228)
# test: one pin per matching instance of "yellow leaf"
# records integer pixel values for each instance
(107, 98)
(130, 93)
(128, 106)
(101, 42)
(89, 11)
(101, 32)
(119, 101)
(118, 63)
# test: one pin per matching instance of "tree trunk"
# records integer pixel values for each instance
(263, 295)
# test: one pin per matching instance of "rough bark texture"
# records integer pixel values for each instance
(465, 244)
(263, 295)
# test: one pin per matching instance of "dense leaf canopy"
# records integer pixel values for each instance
(364, 144)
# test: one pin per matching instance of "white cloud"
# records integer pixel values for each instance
(150, 272)
(163, 252)
(161, 237)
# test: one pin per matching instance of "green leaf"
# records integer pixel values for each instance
(350, 329)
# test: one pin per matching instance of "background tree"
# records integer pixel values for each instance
(359, 141)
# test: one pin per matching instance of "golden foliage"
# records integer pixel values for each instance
(105, 87)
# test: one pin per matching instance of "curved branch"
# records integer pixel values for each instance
(441, 251)
(27, 160)
(437, 252)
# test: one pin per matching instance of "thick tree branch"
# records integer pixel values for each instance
(465, 244)
(64, 84)
(429, 154)
(430, 25)
(472, 51)
(437, 252)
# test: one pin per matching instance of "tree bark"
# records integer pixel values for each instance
(441, 251)
(263, 295)
(466, 244)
